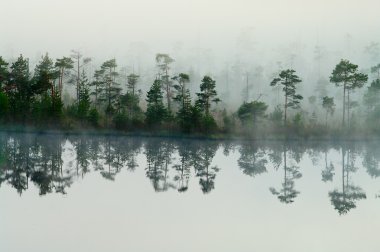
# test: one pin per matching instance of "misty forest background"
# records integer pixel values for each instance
(302, 90)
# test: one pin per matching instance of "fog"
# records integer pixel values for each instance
(225, 39)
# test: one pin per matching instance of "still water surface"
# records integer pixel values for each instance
(81, 193)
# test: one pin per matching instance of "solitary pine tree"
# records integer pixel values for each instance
(288, 79)
(347, 75)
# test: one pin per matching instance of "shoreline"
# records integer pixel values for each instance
(341, 137)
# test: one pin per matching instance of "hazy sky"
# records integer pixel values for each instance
(123, 29)
(109, 26)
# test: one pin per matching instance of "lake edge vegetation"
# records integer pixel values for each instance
(113, 102)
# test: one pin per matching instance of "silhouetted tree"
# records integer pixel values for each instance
(347, 75)
(287, 194)
(156, 113)
(345, 200)
(288, 79)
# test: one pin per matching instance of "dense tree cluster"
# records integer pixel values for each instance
(112, 99)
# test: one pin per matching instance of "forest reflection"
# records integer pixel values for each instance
(54, 162)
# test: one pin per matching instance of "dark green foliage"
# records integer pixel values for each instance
(47, 109)
(288, 79)
(84, 103)
(133, 110)
(110, 90)
(120, 121)
(208, 123)
(93, 117)
(185, 112)
(4, 106)
(249, 113)
(35, 99)
(156, 112)
(207, 95)
(4, 72)
(347, 75)
(44, 75)
(19, 89)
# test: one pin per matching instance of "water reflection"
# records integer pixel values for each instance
(345, 199)
(288, 193)
(54, 162)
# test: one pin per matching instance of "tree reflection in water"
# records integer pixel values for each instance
(288, 193)
(343, 201)
(54, 162)
(253, 160)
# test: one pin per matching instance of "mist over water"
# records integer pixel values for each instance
(114, 193)
(94, 193)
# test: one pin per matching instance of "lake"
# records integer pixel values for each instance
(108, 193)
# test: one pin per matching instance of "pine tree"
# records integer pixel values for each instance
(347, 75)
(288, 79)
(63, 65)
(207, 95)
(163, 63)
(156, 112)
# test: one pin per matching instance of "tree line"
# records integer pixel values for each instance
(114, 100)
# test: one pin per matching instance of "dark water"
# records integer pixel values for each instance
(78, 193)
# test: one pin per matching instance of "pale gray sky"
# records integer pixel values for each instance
(107, 27)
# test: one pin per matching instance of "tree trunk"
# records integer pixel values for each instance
(78, 78)
(343, 154)
(348, 108)
(285, 108)
(344, 104)
(285, 168)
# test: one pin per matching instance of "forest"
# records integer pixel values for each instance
(62, 94)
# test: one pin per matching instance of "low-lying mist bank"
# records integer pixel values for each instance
(279, 134)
